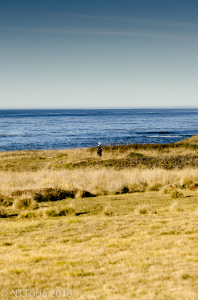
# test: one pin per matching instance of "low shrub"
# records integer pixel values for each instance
(61, 155)
(27, 215)
(186, 276)
(176, 194)
(125, 190)
(156, 187)
(187, 182)
(142, 209)
(66, 211)
(24, 203)
(40, 212)
(165, 191)
(6, 201)
(17, 193)
(135, 154)
(108, 211)
(105, 193)
(193, 187)
(53, 195)
(134, 187)
(3, 213)
(50, 212)
(54, 212)
(7, 244)
(84, 194)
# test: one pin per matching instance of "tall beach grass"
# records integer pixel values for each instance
(97, 181)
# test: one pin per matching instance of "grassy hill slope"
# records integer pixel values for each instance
(167, 156)
(76, 226)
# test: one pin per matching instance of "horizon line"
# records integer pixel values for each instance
(97, 108)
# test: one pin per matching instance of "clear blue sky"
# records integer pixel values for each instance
(95, 53)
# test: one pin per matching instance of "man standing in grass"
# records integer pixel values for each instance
(99, 149)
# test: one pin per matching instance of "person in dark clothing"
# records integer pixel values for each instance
(99, 149)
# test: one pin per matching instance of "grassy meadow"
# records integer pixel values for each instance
(123, 226)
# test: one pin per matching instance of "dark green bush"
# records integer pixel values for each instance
(156, 187)
(135, 154)
(53, 195)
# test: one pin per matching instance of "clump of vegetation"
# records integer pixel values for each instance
(142, 209)
(108, 211)
(17, 193)
(84, 194)
(193, 187)
(67, 211)
(135, 188)
(40, 212)
(24, 203)
(165, 191)
(55, 212)
(6, 201)
(7, 244)
(123, 190)
(185, 276)
(156, 187)
(27, 215)
(153, 212)
(50, 212)
(135, 154)
(62, 155)
(187, 182)
(132, 188)
(3, 213)
(176, 194)
(50, 194)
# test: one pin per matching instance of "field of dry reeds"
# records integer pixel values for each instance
(124, 226)
(97, 182)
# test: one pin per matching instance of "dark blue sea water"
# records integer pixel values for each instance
(68, 128)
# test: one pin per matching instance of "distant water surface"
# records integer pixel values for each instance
(72, 128)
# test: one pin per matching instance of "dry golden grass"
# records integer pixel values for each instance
(119, 255)
(97, 181)
(132, 241)
(168, 156)
(176, 205)
(24, 203)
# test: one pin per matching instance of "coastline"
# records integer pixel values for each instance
(65, 129)
(74, 173)
(177, 155)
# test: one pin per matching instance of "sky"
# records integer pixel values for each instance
(98, 54)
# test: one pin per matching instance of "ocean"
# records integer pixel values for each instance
(72, 128)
